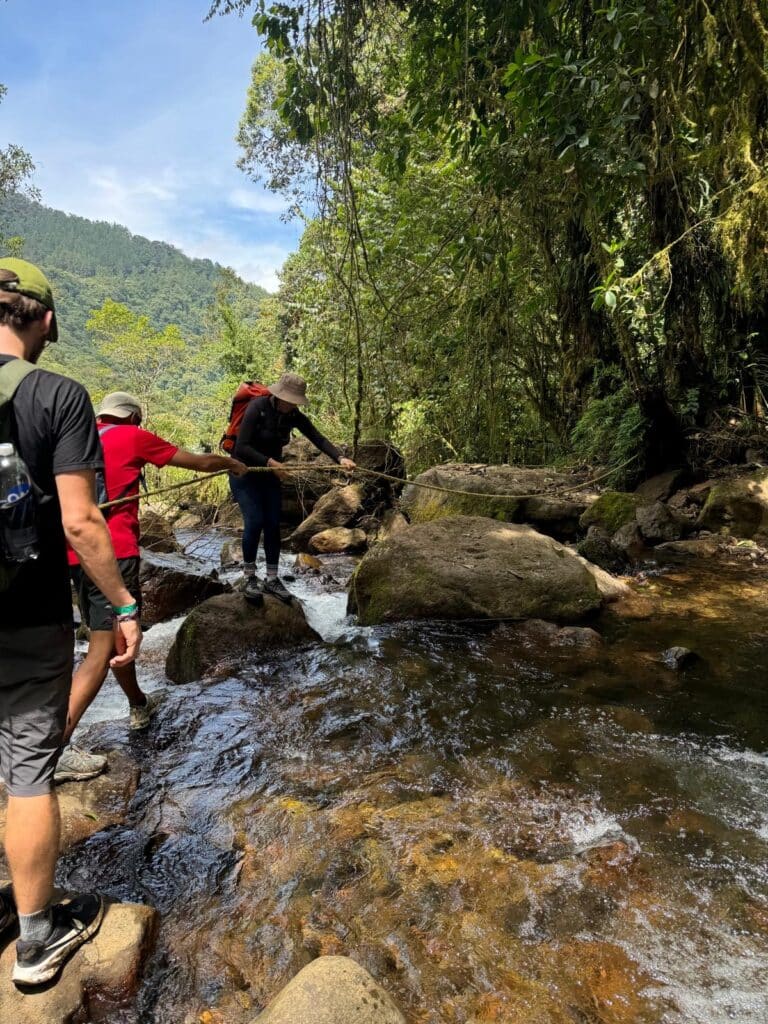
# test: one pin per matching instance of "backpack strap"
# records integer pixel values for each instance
(11, 375)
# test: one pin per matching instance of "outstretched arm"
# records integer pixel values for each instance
(207, 463)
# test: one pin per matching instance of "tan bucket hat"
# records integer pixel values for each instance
(120, 404)
(290, 388)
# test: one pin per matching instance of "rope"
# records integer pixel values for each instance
(300, 467)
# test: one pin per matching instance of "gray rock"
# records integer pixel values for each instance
(332, 990)
(340, 506)
(469, 567)
(739, 505)
(231, 552)
(700, 547)
(598, 548)
(157, 533)
(678, 658)
(170, 587)
(657, 523)
(423, 505)
(629, 540)
(225, 629)
(556, 516)
(659, 488)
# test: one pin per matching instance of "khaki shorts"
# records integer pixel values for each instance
(35, 680)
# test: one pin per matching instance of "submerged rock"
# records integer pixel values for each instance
(104, 972)
(468, 567)
(169, 589)
(338, 541)
(224, 629)
(678, 658)
(332, 990)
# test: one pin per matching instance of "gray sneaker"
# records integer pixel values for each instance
(277, 588)
(76, 765)
(141, 714)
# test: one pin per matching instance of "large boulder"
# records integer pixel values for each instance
(104, 972)
(738, 505)
(332, 990)
(657, 523)
(339, 507)
(597, 547)
(169, 589)
(470, 567)
(423, 504)
(557, 516)
(338, 540)
(223, 630)
(157, 533)
(660, 487)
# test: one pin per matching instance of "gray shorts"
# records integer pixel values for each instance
(35, 680)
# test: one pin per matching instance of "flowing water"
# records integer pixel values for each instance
(502, 823)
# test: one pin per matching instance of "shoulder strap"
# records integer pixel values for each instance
(11, 375)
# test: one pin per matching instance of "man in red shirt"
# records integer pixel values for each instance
(127, 450)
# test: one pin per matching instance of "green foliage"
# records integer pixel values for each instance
(612, 432)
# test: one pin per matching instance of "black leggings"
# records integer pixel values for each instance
(260, 499)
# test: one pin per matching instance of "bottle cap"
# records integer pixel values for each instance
(6, 450)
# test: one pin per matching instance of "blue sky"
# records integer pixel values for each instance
(129, 111)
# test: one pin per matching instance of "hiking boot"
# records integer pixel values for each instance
(141, 713)
(277, 588)
(73, 924)
(253, 591)
(76, 765)
(8, 914)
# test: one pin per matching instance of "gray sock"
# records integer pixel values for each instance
(249, 568)
(36, 927)
(272, 572)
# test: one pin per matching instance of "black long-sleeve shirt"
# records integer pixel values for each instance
(264, 431)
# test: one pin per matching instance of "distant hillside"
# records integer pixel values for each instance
(90, 261)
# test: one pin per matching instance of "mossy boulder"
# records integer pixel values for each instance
(226, 629)
(611, 511)
(423, 504)
(469, 567)
(738, 506)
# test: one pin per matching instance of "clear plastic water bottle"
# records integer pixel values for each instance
(18, 508)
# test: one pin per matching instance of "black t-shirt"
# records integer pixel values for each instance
(54, 431)
(264, 432)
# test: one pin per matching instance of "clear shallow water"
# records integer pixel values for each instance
(494, 824)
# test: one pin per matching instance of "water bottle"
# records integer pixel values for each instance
(18, 509)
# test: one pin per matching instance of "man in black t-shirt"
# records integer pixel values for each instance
(54, 432)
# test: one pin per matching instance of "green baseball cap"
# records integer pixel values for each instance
(29, 280)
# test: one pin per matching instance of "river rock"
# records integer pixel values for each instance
(611, 511)
(610, 587)
(338, 541)
(169, 588)
(469, 567)
(392, 523)
(157, 533)
(339, 507)
(556, 516)
(657, 523)
(332, 990)
(678, 658)
(423, 505)
(105, 972)
(598, 548)
(306, 563)
(231, 552)
(629, 540)
(225, 629)
(661, 487)
(88, 808)
(739, 505)
(700, 547)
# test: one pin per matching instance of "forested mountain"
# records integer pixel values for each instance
(90, 261)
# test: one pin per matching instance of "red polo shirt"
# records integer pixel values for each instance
(127, 450)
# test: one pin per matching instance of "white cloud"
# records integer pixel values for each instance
(257, 201)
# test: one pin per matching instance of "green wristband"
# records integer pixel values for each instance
(126, 609)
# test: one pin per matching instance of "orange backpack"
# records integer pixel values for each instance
(247, 391)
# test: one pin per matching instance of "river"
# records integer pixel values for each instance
(499, 823)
